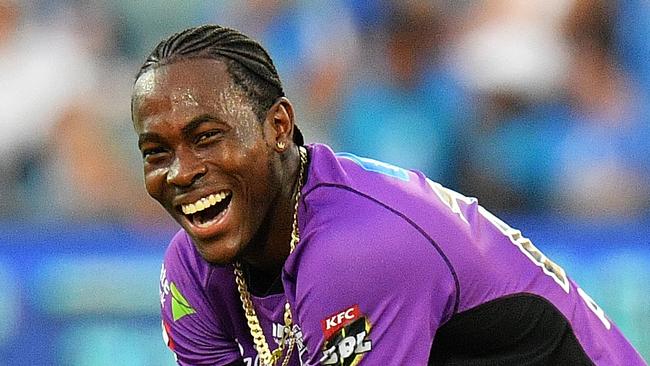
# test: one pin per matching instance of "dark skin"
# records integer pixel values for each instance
(199, 137)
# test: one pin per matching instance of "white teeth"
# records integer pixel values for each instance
(199, 205)
(203, 203)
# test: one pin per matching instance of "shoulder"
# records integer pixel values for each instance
(342, 179)
(183, 267)
(182, 257)
(195, 305)
(354, 233)
(365, 233)
(354, 204)
(178, 250)
(184, 278)
(354, 207)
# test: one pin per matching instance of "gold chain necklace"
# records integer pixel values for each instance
(267, 357)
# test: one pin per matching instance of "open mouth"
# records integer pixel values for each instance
(207, 210)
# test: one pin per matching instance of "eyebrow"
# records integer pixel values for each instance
(148, 137)
(195, 122)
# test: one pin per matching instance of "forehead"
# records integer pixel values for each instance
(183, 86)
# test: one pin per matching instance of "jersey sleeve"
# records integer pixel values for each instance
(366, 297)
(191, 327)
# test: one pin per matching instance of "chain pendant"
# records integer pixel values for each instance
(277, 353)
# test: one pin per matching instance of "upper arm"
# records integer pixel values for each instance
(191, 326)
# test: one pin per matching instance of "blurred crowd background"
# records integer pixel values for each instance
(539, 108)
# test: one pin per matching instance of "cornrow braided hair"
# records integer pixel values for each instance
(248, 63)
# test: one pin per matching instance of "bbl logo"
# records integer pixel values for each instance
(346, 337)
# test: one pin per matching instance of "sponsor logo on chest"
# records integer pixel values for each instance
(346, 337)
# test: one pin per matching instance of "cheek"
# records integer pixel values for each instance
(249, 135)
(267, 178)
(154, 181)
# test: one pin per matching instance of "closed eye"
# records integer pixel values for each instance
(153, 153)
(207, 137)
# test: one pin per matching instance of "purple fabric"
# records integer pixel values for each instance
(385, 257)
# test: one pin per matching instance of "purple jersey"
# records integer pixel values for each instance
(392, 269)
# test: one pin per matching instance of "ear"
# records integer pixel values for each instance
(280, 119)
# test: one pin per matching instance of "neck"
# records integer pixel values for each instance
(270, 246)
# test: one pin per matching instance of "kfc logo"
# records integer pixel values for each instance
(333, 323)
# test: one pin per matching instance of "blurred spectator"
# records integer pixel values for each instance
(558, 125)
(95, 167)
(65, 117)
(603, 170)
(632, 28)
(405, 106)
(511, 54)
(44, 72)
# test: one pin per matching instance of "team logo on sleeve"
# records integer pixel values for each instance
(346, 337)
(180, 305)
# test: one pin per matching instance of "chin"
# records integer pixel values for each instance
(218, 252)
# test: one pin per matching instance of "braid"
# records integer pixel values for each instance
(249, 65)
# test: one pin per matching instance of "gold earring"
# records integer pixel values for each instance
(280, 145)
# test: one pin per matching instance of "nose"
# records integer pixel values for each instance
(186, 169)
